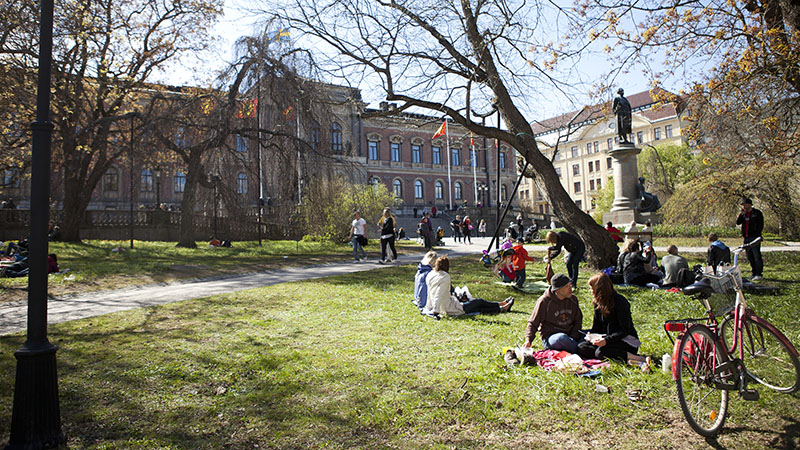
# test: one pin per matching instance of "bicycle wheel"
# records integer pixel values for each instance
(704, 406)
(768, 356)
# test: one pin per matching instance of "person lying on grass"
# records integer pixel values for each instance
(441, 300)
(612, 335)
(557, 317)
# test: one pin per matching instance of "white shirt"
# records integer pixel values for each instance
(439, 298)
(359, 226)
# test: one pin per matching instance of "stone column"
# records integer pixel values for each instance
(626, 174)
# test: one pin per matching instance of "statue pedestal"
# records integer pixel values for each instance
(626, 195)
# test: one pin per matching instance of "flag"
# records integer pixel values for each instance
(442, 130)
(471, 139)
(247, 109)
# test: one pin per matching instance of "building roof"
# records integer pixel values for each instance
(641, 103)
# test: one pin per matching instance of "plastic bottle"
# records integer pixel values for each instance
(666, 363)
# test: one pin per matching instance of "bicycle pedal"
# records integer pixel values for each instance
(750, 395)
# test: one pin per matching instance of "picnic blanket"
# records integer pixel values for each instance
(530, 287)
(554, 360)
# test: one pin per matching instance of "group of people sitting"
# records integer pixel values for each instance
(14, 260)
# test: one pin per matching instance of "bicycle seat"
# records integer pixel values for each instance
(702, 287)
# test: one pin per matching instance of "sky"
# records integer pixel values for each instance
(238, 22)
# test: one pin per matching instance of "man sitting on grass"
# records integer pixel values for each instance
(557, 317)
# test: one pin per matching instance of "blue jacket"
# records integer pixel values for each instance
(420, 288)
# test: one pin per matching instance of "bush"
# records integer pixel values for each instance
(664, 230)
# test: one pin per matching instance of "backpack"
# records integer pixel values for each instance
(686, 277)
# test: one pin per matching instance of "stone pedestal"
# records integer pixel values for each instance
(626, 195)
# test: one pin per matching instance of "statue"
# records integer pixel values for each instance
(622, 108)
(649, 202)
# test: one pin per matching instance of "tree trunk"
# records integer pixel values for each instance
(193, 175)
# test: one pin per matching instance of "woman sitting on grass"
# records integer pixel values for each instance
(441, 300)
(612, 335)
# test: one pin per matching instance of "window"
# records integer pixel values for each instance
(179, 181)
(591, 166)
(146, 182)
(668, 131)
(416, 153)
(397, 188)
(503, 193)
(579, 204)
(241, 144)
(180, 137)
(608, 163)
(574, 151)
(336, 138)
(315, 135)
(418, 189)
(657, 133)
(438, 190)
(241, 183)
(576, 169)
(557, 157)
(558, 172)
(111, 180)
(589, 148)
(640, 137)
(591, 185)
(597, 165)
(458, 191)
(610, 143)
(10, 178)
(455, 158)
(577, 187)
(502, 159)
(599, 184)
(395, 150)
(373, 150)
(436, 154)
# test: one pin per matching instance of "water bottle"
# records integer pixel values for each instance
(666, 363)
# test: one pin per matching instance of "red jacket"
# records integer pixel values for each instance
(519, 257)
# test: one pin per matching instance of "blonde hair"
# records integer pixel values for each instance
(630, 245)
(551, 237)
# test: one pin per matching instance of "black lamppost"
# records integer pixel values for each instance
(157, 174)
(483, 188)
(132, 115)
(36, 416)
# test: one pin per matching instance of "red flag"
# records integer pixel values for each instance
(471, 139)
(441, 131)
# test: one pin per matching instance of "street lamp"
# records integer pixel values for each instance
(36, 416)
(483, 188)
(132, 115)
(157, 174)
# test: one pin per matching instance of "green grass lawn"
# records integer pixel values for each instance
(347, 362)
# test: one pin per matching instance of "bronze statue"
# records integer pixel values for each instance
(649, 202)
(622, 108)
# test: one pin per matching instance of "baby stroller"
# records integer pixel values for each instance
(439, 237)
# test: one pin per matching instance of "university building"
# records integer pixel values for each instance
(581, 158)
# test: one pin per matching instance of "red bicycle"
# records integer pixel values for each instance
(711, 358)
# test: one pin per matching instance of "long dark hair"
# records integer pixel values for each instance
(602, 293)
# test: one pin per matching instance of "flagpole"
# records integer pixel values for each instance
(474, 169)
(449, 182)
(299, 169)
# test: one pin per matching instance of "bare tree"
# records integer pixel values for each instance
(449, 57)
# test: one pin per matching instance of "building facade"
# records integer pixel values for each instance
(581, 158)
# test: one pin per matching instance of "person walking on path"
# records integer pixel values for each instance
(466, 226)
(574, 246)
(752, 222)
(357, 236)
(427, 230)
(388, 230)
(456, 226)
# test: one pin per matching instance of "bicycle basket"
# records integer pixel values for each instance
(724, 287)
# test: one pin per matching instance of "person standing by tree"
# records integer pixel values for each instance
(574, 246)
(357, 236)
(752, 222)
(388, 229)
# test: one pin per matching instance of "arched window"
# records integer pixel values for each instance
(241, 183)
(336, 138)
(502, 159)
(315, 135)
(179, 181)
(146, 182)
(457, 191)
(503, 193)
(397, 187)
(111, 180)
(438, 190)
(418, 189)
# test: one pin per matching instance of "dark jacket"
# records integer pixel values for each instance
(619, 322)
(756, 225)
(572, 243)
(633, 266)
(718, 253)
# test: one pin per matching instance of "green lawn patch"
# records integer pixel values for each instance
(348, 362)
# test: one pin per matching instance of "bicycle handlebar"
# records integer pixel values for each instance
(742, 248)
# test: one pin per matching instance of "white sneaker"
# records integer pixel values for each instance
(756, 278)
(356, 262)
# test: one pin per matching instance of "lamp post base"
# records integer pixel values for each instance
(36, 419)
